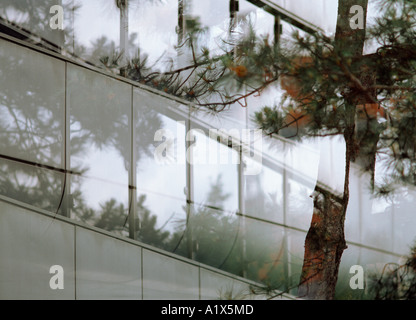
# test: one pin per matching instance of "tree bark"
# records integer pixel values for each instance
(325, 240)
(324, 245)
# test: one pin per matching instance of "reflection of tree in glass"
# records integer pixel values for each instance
(396, 282)
(31, 129)
(104, 52)
(112, 216)
(209, 231)
(100, 111)
(34, 16)
(148, 232)
(32, 123)
(215, 234)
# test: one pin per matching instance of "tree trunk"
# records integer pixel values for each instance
(325, 241)
(324, 246)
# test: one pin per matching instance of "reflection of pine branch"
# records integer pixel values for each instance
(206, 76)
(111, 216)
(148, 231)
(396, 282)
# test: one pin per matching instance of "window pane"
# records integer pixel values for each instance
(31, 127)
(100, 203)
(96, 29)
(212, 237)
(300, 204)
(264, 195)
(160, 169)
(265, 252)
(100, 147)
(34, 17)
(215, 172)
(31, 111)
(36, 186)
(152, 28)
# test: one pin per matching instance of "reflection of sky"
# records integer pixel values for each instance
(206, 173)
(95, 18)
(106, 177)
(164, 184)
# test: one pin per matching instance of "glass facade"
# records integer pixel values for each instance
(116, 155)
(99, 148)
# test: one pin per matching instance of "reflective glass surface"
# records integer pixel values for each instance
(180, 282)
(215, 172)
(32, 122)
(264, 195)
(35, 17)
(96, 30)
(152, 27)
(30, 244)
(213, 237)
(31, 111)
(100, 147)
(264, 252)
(131, 151)
(40, 187)
(160, 170)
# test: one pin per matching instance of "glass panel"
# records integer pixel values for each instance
(35, 17)
(215, 286)
(404, 221)
(100, 147)
(265, 253)
(214, 17)
(377, 227)
(371, 261)
(295, 255)
(96, 30)
(100, 203)
(215, 172)
(263, 22)
(167, 278)
(104, 276)
(30, 244)
(353, 255)
(162, 221)
(299, 177)
(300, 204)
(212, 237)
(152, 28)
(160, 169)
(264, 195)
(36, 186)
(31, 111)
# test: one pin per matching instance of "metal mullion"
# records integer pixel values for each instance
(189, 187)
(286, 255)
(133, 218)
(67, 201)
(241, 207)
